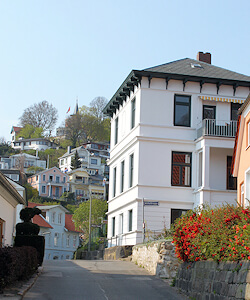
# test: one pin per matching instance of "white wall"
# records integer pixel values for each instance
(8, 215)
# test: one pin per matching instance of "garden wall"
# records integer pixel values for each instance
(158, 258)
(211, 280)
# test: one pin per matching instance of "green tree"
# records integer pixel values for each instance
(51, 156)
(5, 148)
(32, 194)
(29, 132)
(34, 169)
(98, 212)
(75, 161)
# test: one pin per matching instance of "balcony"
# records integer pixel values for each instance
(211, 127)
(57, 183)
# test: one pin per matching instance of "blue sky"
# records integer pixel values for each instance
(57, 50)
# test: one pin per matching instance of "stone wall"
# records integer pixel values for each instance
(117, 252)
(210, 280)
(158, 258)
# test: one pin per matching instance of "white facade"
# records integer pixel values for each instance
(147, 144)
(60, 242)
(39, 144)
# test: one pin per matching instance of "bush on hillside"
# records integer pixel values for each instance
(222, 233)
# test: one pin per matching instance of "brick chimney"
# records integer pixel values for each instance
(205, 57)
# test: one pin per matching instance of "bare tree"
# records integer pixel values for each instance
(97, 105)
(74, 129)
(40, 114)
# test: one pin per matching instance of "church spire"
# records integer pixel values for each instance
(76, 108)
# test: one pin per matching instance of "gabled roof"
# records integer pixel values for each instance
(72, 151)
(15, 129)
(48, 207)
(46, 170)
(69, 224)
(26, 155)
(40, 221)
(186, 69)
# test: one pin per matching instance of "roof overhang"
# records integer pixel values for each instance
(135, 76)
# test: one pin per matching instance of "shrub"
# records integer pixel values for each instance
(220, 234)
(16, 264)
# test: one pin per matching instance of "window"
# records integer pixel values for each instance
(231, 181)
(43, 189)
(59, 218)
(131, 169)
(74, 241)
(176, 213)
(122, 176)
(181, 169)
(56, 237)
(93, 161)
(121, 223)
(53, 217)
(133, 113)
(113, 226)
(130, 220)
(209, 112)
(67, 240)
(116, 130)
(234, 111)
(57, 179)
(182, 110)
(43, 177)
(114, 182)
(64, 179)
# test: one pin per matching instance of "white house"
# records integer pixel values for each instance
(10, 198)
(90, 161)
(39, 144)
(172, 140)
(61, 237)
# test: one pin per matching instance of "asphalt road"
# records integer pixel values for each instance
(98, 280)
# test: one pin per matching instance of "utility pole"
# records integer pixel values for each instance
(90, 208)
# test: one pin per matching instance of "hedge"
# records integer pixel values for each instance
(16, 263)
(221, 234)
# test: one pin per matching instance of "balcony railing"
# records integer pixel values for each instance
(211, 127)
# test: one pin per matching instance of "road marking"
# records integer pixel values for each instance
(103, 292)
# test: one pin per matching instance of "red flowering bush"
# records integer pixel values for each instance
(222, 233)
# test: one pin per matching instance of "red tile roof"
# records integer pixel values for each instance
(37, 219)
(16, 128)
(69, 224)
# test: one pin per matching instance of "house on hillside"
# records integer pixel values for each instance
(84, 185)
(172, 138)
(90, 161)
(241, 157)
(14, 132)
(39, 144)
(10, 198)
(50, 183)
(56, 225)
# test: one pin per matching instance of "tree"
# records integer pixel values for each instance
(96, 107)
(32, 193)
(75, 131)
(40, 114)
(75, 161)
(51, 156)
(5, 148)
(29, 132)
(98, 212)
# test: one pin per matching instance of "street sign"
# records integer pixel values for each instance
(156, 203)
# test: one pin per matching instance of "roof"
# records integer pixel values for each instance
(46, 170)
(7, 186)
(72, 151)
(48, 207)
(69, 224)
(243, 106)
(186, 69)
(33, 139)
(40, 221)
(26, 155)
(15, 129)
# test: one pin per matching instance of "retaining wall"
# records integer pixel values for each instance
(158, 258)
(209, 280)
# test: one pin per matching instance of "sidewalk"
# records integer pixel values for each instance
(19, 288)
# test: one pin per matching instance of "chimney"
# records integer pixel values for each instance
(205, 57)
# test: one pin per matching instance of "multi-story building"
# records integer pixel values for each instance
(56, 225)
(84, 185)
(172, 137)
(89, 161)
(50, 183)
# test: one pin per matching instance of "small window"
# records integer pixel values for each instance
(116, 130)
(68, 240)
(57, 179)
(234, 111)
(242, 195)
(43, 177)
(53, 217)
(59, 218)
(122, 176)
(133, 113)
(176, 213)
(130, 220)
(93, 161)
(56, 238)
(209, 112)
(114, 182)
(131, 170)
(182, 110)
(74, 241)
(113, 226)
(43, 189)
(181, 169)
